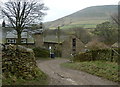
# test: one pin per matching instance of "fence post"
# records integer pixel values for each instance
(112, 54)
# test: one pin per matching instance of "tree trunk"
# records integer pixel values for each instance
(18, 38)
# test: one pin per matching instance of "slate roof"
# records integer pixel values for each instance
(54, 39)
(14, 35)
(23, 35)
(11, 35)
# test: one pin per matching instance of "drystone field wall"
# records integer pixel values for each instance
(19, 61)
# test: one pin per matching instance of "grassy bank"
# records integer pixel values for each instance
(105, 69)
(41, 80)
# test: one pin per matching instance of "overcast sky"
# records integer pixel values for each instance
(61, 8)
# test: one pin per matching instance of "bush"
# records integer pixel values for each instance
(82, 57)
(57, 53)
(41, 52)
(95, 44)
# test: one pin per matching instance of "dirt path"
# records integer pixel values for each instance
(64, 76)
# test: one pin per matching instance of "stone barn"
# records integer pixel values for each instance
(38, 36)
(71, 46)
(51, 44)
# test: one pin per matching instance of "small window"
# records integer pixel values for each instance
(74, 49)
(11, 41)
(8, 41)
(74, 45)
(74, 42)
(23, 41)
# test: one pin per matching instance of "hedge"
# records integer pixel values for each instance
(99, 54)
(41, 52)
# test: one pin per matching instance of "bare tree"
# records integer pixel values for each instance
(116, 18)
(82, 34)
(21, 13)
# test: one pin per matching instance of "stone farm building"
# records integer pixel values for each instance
(26, 39)
(71, 46)
(68, 45)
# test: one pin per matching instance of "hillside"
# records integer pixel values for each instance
(87, 17)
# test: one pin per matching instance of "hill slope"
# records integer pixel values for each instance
(85, 17)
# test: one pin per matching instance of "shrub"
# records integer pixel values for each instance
(58, 53)
(95, 44)
(83, 57)
(41, 52)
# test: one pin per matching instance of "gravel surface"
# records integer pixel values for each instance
(63, 76)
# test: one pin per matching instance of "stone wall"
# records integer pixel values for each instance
(38, 40)
(67, 48)
(19, 61)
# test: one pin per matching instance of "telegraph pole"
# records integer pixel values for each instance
(58, 36)
(58, 32)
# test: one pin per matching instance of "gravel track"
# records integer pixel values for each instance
(63, 76)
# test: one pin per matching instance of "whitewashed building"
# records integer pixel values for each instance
(26, 38)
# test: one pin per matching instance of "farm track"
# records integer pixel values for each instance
(63, 76)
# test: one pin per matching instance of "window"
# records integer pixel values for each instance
(74, 42)
(8, 41)
(11, 41)
(23, 41)
(74, 49)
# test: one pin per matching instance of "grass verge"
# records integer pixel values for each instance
(105, 69)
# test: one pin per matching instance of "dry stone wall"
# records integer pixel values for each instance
(19, 61)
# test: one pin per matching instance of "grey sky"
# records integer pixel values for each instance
(61, 8)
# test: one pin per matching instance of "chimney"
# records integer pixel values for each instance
(3, 24)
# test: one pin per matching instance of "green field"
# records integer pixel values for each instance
(76, 25)
(83, 24)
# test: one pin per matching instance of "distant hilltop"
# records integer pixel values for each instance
(88, 16)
